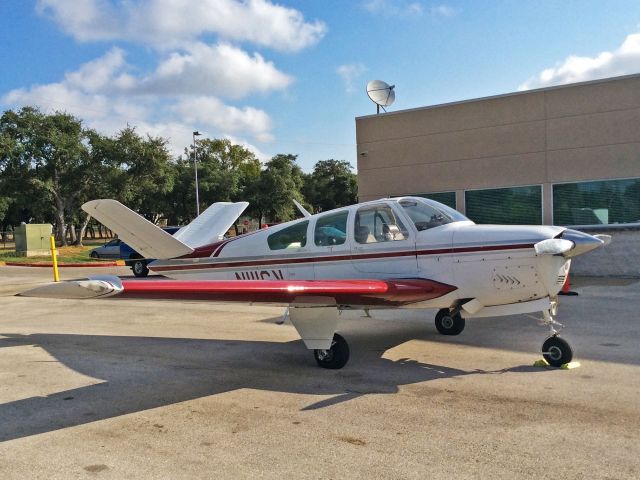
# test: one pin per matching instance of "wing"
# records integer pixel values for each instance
(393, 292)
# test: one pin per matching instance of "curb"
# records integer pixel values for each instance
(61, 265)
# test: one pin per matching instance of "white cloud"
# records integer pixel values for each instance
(443, 11)
(349, 74)
(622, 61)
(103, 73)
(168, 23)
(97, 93)
(221, 70)
(393, 8)
(210, 111)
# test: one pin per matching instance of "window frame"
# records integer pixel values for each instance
(331, 214)
(400, 215)
(280, 231)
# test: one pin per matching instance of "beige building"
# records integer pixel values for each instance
(567, 155)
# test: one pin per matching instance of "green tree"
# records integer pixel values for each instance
(226, 173)
(146, 172)
(46, 159)
(332, 184)
(280, 183)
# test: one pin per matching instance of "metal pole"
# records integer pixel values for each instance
(195, 166)
(54, 259)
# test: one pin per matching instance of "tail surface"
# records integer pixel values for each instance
(146, 238)
(211, 225)
(151, 241)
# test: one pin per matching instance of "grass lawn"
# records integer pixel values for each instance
(69, 254)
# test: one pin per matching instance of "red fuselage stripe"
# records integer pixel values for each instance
(337, 258)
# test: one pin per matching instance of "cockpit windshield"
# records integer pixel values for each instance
(427, 214)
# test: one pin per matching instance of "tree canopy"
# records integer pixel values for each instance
(50, 164)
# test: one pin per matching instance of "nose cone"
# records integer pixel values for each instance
(583, 242)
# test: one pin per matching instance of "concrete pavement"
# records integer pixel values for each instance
(146, 389)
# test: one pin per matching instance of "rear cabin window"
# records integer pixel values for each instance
(331, 230)
(291, 237)
(378, 224)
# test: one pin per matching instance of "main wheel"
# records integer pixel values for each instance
(94, 255)
(140, 269)
(336, 357)
(556, 351)
(448, 323)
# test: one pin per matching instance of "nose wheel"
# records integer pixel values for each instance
(556, 351)
(336, 356)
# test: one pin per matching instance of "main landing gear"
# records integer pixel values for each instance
(335, 357)
(449, 323)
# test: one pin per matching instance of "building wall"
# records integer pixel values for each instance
(588, 131)
(618, 259)
(579, 132)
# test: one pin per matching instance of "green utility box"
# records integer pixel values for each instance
(33, 239)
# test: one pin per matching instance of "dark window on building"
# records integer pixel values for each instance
(511, 206)
(597, 203)
(446, 198)
(331, 229)
(294, 236)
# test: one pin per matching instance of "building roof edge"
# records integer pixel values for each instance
(504, 95)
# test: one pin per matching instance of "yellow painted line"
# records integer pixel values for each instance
(2, 264)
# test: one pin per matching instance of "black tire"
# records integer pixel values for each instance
(94, 255)
(336, 357)
(556, 351)
(139, 268)
(448, 323)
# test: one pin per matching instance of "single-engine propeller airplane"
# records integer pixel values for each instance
(396, 252)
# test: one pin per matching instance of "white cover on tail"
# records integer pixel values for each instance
(146, 238)
(211, 225)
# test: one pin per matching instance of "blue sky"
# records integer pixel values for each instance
(290, 76)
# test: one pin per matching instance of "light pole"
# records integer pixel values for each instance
(195, 166)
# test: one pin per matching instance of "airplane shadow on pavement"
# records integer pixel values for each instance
(141, 373)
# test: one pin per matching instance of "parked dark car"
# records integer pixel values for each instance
(117, 249)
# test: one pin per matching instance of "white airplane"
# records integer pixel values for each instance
(395, 252)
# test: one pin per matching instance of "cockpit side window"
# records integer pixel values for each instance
(331, 229)
(291, 237)
(377, 224)
(425, 216)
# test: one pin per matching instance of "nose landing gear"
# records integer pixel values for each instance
(555, 350)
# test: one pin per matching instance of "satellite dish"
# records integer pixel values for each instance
(381, 93)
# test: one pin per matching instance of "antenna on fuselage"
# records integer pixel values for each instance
(303, 210)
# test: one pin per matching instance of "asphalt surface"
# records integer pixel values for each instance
(146, 389)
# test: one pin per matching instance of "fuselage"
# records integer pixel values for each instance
(391, 238)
